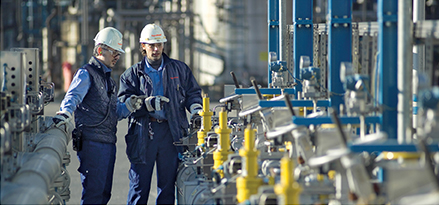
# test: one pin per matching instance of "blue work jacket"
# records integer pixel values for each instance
(180, 87)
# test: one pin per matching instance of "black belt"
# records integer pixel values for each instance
(152, 119)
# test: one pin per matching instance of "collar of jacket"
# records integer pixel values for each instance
(95, 62)
(141, 67)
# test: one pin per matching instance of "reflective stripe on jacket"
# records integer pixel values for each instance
(180, 87)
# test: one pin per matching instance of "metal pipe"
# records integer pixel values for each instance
(33, 181)
(387, 58)
(339, 47)
(39, 171)
(18, 194)
(282, 29)
(273, 31)
(303, 36)
(418, 57)
(419, 15)
(405, 73)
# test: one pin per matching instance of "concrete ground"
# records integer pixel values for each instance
(120, 179)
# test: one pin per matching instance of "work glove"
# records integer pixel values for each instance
(63, 118)
(155, 103)
(195, 116)
(134, 102)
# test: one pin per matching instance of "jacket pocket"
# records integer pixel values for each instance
(134, 148)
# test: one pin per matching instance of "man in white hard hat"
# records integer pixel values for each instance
(92, 97)
(171, 89)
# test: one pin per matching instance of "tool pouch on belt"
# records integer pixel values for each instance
(77, 139)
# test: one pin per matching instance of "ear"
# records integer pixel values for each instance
(99, 50)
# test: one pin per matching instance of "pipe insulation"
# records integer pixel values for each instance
(38, 173)
(13, 193)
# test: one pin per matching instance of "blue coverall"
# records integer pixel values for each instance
(150, 140)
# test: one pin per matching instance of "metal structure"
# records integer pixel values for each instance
(333, 125)
(345, 140)
(33, 151)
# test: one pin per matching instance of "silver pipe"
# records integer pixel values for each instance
(18, 194)
(32, 183)
(39, 171)
(405, 67)
(418, 52)
(53, 145)
(419, 15)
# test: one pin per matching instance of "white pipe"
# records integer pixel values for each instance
(405, 67)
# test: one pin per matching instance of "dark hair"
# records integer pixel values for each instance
(142, 51)
(95, 49)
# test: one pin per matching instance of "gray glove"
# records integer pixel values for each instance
(155, 102)
(134, 102)
(63, 118)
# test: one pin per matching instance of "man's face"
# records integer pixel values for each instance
(109, 56)
(153, 51)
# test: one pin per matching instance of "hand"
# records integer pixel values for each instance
(155, 102)
(134, 102)
(195, 116)
(63, 118)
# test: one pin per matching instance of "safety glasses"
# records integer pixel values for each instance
(113, 52)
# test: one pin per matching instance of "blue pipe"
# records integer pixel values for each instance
(303, 35)
(273, 31)
(339, 46)
(388, 70)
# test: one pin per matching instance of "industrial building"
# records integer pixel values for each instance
(305, 101)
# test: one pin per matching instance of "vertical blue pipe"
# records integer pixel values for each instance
(339, 46)
(388, 68)
(303, 34)
(273, 31)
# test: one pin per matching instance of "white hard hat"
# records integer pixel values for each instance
(152, 33)
(110, 37)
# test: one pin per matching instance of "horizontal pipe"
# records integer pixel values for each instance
(39, 171)
(18, 194)
(53, 145)
(31, 184)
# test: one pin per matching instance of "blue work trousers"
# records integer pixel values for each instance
(163, 152)
(96, 168)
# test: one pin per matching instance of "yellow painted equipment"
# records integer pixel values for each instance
(288, 189)
(207, 120)
(223, 150)
(248, 183)
(403, 155)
